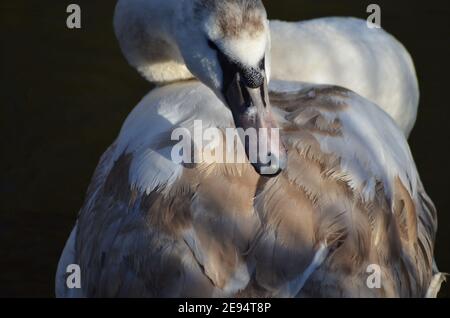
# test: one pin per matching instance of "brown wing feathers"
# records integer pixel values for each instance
(225, 231)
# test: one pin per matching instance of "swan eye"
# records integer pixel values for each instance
(262, 64)
(213, 45)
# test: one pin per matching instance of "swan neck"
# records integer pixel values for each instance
(145, 31)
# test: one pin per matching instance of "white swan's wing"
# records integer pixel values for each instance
(345, 52)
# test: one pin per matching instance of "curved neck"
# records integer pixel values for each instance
(144, 30)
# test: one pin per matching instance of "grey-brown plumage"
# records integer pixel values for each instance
(223, 230)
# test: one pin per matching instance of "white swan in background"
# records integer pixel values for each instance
(349, 197)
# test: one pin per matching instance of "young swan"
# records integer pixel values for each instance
(349, 200)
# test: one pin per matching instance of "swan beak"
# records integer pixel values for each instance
(253, 114)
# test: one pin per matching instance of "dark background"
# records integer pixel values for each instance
(65, 93)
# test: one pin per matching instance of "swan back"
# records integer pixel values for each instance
(345, 52)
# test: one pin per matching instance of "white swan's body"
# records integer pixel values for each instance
(345, 52)
(349, 197)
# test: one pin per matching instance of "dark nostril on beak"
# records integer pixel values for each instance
(252, 77)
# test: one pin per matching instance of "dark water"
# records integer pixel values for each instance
(64, 95)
